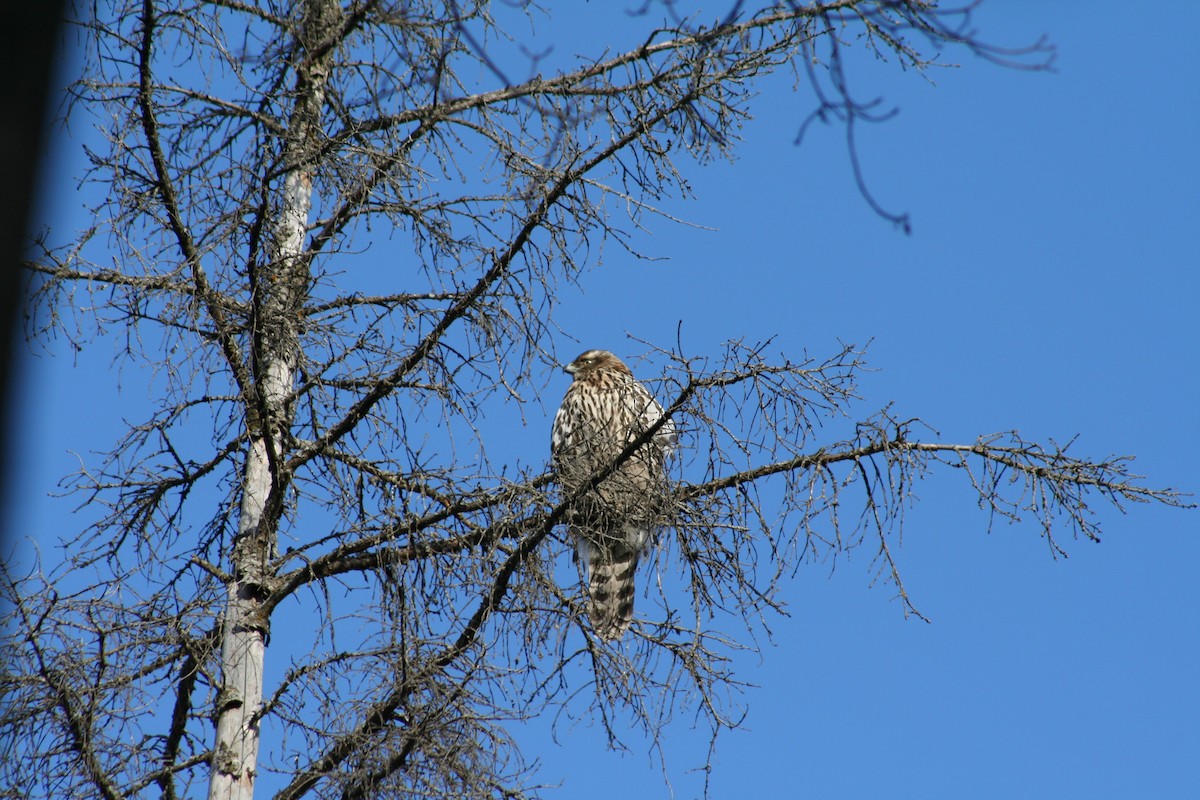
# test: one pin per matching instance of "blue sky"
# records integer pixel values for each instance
(1050, 285)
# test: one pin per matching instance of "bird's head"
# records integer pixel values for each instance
(590, 361)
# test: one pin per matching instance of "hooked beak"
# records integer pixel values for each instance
(569, 368)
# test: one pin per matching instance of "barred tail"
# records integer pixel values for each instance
(610, 589)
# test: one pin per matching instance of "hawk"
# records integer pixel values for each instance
(604, 411)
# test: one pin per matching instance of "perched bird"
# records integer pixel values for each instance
(604, 411)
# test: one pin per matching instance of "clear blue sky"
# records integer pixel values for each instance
(1051, 284)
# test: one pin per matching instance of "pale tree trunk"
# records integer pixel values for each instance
(280, 290)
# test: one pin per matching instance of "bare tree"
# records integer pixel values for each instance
(318, 449)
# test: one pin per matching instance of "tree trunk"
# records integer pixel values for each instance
(281, 286)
